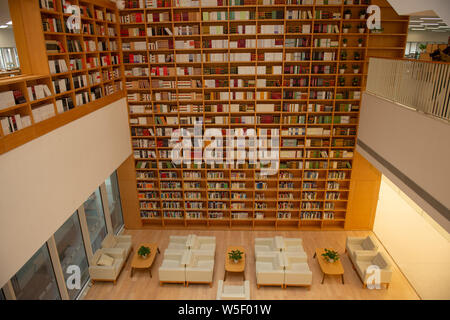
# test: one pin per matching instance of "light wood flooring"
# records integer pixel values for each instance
(141, 286)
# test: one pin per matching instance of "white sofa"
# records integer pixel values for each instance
(200, 267)
(355, 245)
(233, 292)
(364, 260)
(178, 242)
(124, 242)
(269, 269)
(107, 272)
(172, 269)
(293, 245)
(297, 272)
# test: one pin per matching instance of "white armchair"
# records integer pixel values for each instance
(200, 267)
(365, 260)
(178, 242)
(293, 245)
(265, 245)
(297, 272)
(202, 243)
(107, 272)
(124, 242)
(227, 292)
(172, 269)
(355, 245)
(269, 269)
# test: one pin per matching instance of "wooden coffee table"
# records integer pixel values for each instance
(328, 268)
(230, 266)
(140, 263)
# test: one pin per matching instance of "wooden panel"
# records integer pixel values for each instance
(365, 187)
(29, 37)
(126, 177)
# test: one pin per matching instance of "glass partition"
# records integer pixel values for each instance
(69, 242)
(36, 279)
(95, 219)
(114, 204)
(2, 296)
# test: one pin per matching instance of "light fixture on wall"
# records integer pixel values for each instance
(3, 27)
(9, 23)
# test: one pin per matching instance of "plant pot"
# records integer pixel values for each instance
(236, 261)
(144, 256)
(359, 44)
(345, 30)
(355, 70)
(361, 30)
(347, 16)
(341, 71)
(362, 16)
(330, 260)
(344, 44)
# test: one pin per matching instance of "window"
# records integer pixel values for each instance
(69, 242)
(115, 207)
(95, 219)
(36, 279)
(9, 59)
(2, 295)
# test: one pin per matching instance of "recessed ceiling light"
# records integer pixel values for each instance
(3, 27)
(431, 18)
(438, 30)
(417, 29)
(9, 23)
(430, 24)
(443, 27)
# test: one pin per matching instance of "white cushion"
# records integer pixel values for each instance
(105, 260)
(234, 290)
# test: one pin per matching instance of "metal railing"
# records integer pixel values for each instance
(421, 85)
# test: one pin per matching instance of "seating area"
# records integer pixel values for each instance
(233, 292)
(364, 255)
(281, 262)
(188, 259)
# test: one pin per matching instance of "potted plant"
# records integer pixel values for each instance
(355, 68)
(346, 28)
(341, 81)
(344, 42)
(347, 14)
(342, 68)
(344, 55)
(235, 255)
(330, 255)
(362, 14)
(422, 47)
(361, 27)
(360, 42)
(143, 252)
(355, 81)
(377, 30)
(356, 55)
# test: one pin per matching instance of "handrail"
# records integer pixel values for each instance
(412, 60)
(421, 85)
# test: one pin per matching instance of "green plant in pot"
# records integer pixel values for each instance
(422, 47)
(355, 82)
(355, 68)
(143, 252)
(362, 14)
(346, 28)
(330, 255)
(360, 42)
(356, 55)
(342, 68)
(344, 55)
(361, 28)
(235, 255)
(344, 42)
(347, 14)
(341, 81)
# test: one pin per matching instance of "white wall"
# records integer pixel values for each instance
(406, 7)
(415, 144)
(427, 36)
(44, 181)
(7, 38)
(421, 251)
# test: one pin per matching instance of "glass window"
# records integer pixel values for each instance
(9, 59)
(69, 242)
(2, 295)
(95, 219)
(36, 279)
(115, 207)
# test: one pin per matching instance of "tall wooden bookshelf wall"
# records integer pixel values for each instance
(169, 194)
(45, 21)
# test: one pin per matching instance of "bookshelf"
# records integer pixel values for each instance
(83, 68)
(258, 65)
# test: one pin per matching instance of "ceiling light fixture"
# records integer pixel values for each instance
(431, 18)
(3, 27)
(430, 24)
(9, 23)
(418, 29)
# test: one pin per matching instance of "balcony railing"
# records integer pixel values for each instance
(421, 85)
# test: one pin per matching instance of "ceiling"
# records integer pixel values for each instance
(4, 13)
(427, 21)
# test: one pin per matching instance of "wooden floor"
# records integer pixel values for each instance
(141, 286)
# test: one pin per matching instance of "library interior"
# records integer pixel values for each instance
(224, 149)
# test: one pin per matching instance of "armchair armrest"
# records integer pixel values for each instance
(114, 252)
(355, 240)
(365, 255)
(123, 238)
